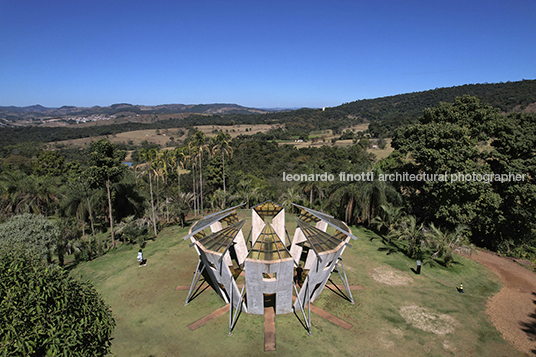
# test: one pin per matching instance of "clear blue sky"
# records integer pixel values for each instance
(267, 53)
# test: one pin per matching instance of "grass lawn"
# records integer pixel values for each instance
(152, 319)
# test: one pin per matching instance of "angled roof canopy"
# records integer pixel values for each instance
(309, 215)
(221, 240)
(267, 209)
(209, 220)
(268, 246)
(319, 240)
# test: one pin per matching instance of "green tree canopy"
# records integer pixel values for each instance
(49, 163)
(30, 232)
(106, 168)
(44, 312)
(470, 138)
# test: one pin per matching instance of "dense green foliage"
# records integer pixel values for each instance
(33, 233)
(44, 312)
(488, 164)
(388, 113)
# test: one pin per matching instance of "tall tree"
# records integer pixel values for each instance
(179, 157)
(164, 162)
(222, 146)
(106, 168)
(149, 168)
(199, 143)
(192, 161)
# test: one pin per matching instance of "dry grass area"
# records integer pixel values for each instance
(381, 153)
(428, 320)
(324, 138)
(388, 275)
(136, 137)
(235, 130)
(162, 137)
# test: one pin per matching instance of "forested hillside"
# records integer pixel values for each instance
(384, 114)
(388, 113)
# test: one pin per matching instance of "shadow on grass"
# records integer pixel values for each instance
(390, 248)
(197, 291)
(301, 322)
(70, 266)
(530, 327)
(338, 291)
(231, 328)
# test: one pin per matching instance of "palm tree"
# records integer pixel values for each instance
(291, 195)
(413, 235)
(246, 192)
(223, 147)
(37, 194)
(192, 160)
(178, 158)
(77, 202)
(219, 199)
(11, 192)
(309, 187)
(445, 242)
(376, 193)
(181, 206)
(149, 168)
(199, 142)
(389, 219)
(106, 168)
(164, 163)
(346, 200)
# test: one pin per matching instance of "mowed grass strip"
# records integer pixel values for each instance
(152, 319)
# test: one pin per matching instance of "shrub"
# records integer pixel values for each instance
(44, 312)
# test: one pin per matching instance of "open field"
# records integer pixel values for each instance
(422, 317)
(135, 136)
(324, 138)
(381, 153)
(164, 135)
(235, 130)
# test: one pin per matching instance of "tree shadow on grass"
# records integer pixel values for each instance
(529, 327)
(390, 247)
(70, 266)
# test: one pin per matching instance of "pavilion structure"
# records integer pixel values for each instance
(268, 258)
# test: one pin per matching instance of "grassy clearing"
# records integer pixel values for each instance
(381, 153)
(152, 319)
(235, 130)
(163, 136)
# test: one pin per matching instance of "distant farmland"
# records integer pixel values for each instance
(164, 136)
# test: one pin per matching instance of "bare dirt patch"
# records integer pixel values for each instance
(428, 320)
(388, 275)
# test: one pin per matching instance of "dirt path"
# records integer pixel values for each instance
(269, 329)
(513, 309)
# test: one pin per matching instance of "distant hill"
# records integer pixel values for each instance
(14, 114)
(384, 114)
(387, 113)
